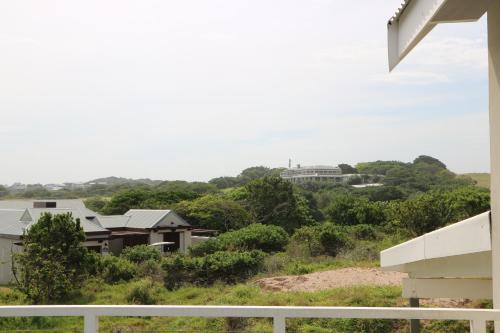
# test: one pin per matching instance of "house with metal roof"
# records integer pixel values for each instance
(103, 234)
(148, 226)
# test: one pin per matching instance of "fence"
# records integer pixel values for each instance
(279, 314)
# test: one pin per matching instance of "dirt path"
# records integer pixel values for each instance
(337, 278)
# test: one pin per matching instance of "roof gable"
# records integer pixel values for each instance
(154, 218)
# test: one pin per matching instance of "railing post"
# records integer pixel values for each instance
(414, 323)
(477, 326)
(279, 324)
(90, 323)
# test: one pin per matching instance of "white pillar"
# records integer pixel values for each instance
(494, 96)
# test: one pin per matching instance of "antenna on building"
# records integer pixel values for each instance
(289, 163)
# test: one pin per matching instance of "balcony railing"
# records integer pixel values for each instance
(279, 314)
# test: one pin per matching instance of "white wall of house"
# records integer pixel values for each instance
(7, 247)
(155, 237)
(186, 236)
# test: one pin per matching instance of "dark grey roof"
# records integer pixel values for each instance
(88, 219)
(10, 222)
(21, 214)
(114, 221)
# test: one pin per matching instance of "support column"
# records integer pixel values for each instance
(494, 101)
(414, 323)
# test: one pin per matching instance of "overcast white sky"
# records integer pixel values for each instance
(196, 89)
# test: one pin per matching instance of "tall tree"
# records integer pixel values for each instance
(53, 262)
(273, 200)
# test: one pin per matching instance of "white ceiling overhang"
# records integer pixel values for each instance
(416, 18)
(461, 249)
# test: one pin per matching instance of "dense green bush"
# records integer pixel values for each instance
(141, 253)
(275, 201)
(267, 238)
(363, 232)
(115, 269)
(53, 262)
(428, 211)
(333, 239)
(347, 209)
(214, 212)
(325, 238)
(143, 293)
(226, 266)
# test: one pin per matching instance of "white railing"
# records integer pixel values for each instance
(91, 313)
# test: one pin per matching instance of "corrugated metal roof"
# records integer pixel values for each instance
(89, 222)
(114, 221)
(10, 222)
(145, 218)
(400, 11)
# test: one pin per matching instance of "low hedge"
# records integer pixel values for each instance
(226, 266)
(141, 253)
(321, 239)
(267, 238)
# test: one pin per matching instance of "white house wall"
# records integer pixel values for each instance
(155, 237)
(7, 247)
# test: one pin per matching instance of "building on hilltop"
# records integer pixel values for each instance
(316, 173)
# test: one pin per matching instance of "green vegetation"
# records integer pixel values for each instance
(141, 253)
(267, 238)
(214, 212)
(226, 266)
(267, 227)
(53, 263)
(275, 201)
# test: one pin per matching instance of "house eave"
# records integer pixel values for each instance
(416, 18)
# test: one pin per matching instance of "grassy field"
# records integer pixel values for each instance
(96, 292)
(482, 179)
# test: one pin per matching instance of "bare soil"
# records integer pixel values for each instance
(349, 277)
(338, 278)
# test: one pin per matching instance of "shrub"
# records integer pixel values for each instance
(115, 269)
(142, 292)
(333, 239)
(53, 263)
(275, 263)
(141, 253)
(306, 241)
(231, 267)
(210, 246)
(363, 232)
(226, 266)
(321, 239)
(267, 238)
(150, 268)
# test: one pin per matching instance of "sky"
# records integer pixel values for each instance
(197, 89)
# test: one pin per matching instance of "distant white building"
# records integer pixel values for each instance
(316, 173)
(54, 187)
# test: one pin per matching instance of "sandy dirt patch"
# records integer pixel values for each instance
(338, 278)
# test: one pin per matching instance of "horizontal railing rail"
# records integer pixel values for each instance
(279, 314)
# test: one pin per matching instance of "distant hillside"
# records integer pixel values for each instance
(120, 181)
(482, 179)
